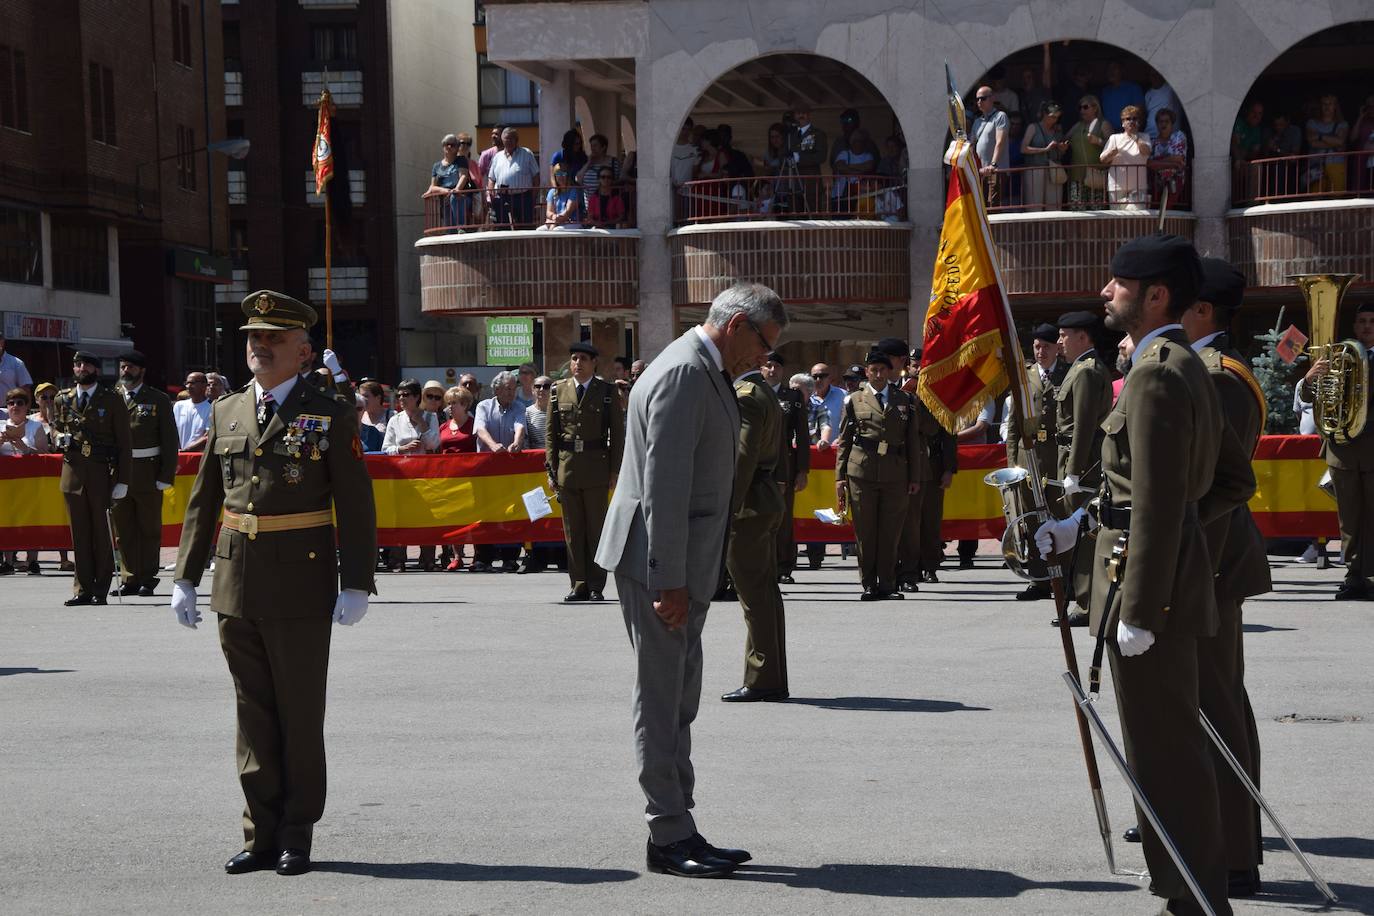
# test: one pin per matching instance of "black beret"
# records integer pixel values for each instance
(892, 346)
(854, 372)
(1153, 256)
(915, 354)
(1222, 284)
(1084, 320)
(1046, 332)
(582, 346)
(775, 357)
(877, 356)
(85, 356)
(1365, 307)
(134, 357)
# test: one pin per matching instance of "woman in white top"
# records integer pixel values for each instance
(412, 431)
(20, 436)
(1127, 153)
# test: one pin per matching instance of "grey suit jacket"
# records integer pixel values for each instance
(667, 520)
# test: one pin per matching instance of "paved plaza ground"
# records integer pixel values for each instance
(481, 762)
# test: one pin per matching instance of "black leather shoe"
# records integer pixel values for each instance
(892, 595)
(1132, 835)
(124, 591)
(595, 595)
(147, 591)
(930, 576)
(738, 856)
(576, 595)
(755, 695)
(1243, 883)
(247, 861)
(293, 862)
(1076, 619)
(684, 860)
(1033, 592)
(909, 586)
(870, 594)
(725, 594)
(785, 579)
(1352, 589)
(966, 562)
(78, 600)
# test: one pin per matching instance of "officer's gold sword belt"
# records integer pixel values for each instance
(252, 525)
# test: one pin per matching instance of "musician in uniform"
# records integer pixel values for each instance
(879, 463)
(1170, 466)
(92, 427)
(582, 449)
(1046, 373)
(794, 457)
(154, 442)
(281, 454)
(756, 512)
(1240, 570)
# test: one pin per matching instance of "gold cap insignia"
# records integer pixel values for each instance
(264, 305)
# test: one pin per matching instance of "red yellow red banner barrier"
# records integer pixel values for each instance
(476, 499)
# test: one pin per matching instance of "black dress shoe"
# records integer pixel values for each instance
(891, 594)
(966, 562)
(1352, 589)
(685, 860)
(1033, 592)
(78, 600)
(814, 562)
(1076, 619)
(124, 591)
(870, 594)
(1243, 883)
(755, 695)
(247, 861)
(725, 594)
(785, 579)
(930, 577)
(595, 595)
(576, 595)
(908, 585)
(293, 862)
(738, 856)
(1132, 835)
(147, 591)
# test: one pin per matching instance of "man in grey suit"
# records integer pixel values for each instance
(664, 539)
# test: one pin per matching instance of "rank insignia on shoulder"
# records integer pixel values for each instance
(357, 448)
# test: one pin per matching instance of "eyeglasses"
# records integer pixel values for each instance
(820, 375)
(759, 334)
(465, 143)
(20, 401)
(542, 387)
(983, 98)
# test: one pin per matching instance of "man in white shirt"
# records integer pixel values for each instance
(500, 427)
(514, 172)
(192, 414)
(13, 372)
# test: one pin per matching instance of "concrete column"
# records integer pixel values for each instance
(560, 330)
(1211, 180)
(605, 112)
(925, 209)
(555, 116)
(608, 336)
(657, 324)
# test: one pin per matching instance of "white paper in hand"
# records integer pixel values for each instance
(537, 504)
(828, 516)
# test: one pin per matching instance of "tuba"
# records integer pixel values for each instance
(1340, 398)
(1018, 541)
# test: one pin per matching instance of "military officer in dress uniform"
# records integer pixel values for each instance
(153, 440)
(794, 458)
(281, 454)
(922, 549)
(751, 553)
(1046, 372)
(582, 448)
(927, 428)
(92, 427)
(1170, 466)
(1240, 570)
(1083, 401)
(879, 463)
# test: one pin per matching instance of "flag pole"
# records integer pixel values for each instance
(322, 161)
(328, 276)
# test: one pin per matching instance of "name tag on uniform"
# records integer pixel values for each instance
(882, 448)
(578, 445)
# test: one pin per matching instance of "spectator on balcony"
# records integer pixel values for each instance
(738, 161)
(1362, 140)
(849, 124)
(1327, 131)
(484, 160)
(372, 423)
(563, 204)
(513, 176)
(450, 181)
(1032, 93)
(1071, 91)
(1042, 146)
(1087, 138)
(849, 193)
(1247, 139)
(989, 137)
(711, 159)
(1126, 154)
(770, 163)
(605, 205)
(1282, 139)
(1120, 94)
(1003, 96)
(570, 156)
(893, 163)
(1158, 97)
(1168, 163)
(598, 161)
(685, 156)
(806, 147)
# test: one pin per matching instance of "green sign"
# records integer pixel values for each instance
(510, 341)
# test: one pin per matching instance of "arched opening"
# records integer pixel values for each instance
(1056, 131)
(790, 137)
(1306, 128)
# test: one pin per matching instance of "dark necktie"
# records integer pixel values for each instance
(882, 402)
(267, 408)
(581, 390)
(82, 401)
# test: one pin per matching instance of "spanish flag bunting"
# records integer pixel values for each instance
(970, 352)
(322, 154)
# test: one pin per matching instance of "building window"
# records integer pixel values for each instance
(102, 104)
(335, 44)
(181, 32)
(504, 97)
(233, 49)
(21, 246)
(238, 241)
(80, 254)
(198, 312)
(186, 158)
(14, 88)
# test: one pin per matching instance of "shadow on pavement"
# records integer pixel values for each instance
(885, 704)
(468, 871)
(1265, 628)
(5, 672)
(1336, 847)
(1354, 898)
(917, 881)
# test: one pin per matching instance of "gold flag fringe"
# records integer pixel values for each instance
(971, 351)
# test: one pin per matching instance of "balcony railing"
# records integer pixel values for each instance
(790, 197)
(1315, 176)
(1086, 187)
(529, 208)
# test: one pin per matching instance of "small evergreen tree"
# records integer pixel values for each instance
(1276, 381)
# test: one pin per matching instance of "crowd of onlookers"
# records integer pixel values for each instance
(1335, 156)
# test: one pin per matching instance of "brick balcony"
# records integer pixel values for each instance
(1330, 236)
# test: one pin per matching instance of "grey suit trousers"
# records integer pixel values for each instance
(667, 695)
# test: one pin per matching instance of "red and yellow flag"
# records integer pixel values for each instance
(970, 352)
(322, 154)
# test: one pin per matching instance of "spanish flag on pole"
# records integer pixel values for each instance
(322, 156)
(970, 352)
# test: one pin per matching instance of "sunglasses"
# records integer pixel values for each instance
(20, 402)
(434, 397)
(821, 375)
(983, 98)
(759, 334)
(542, 387)
(465, 143)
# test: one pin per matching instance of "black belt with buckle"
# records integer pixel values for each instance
(869, 444)
(588, 445)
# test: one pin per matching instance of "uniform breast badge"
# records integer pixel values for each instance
(882, 448)
(292, 473)
(85, 450)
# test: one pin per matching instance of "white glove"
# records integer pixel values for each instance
(350, 606)
(163, 486)
(331, 362)
(184, 603)
(1071, 485)
(1059, 535)
(120, 491)
(1132, 641)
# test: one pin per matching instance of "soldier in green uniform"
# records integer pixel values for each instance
(1240, 570)
(879, 463)
(1081, 404)
(1170, 466)
(1046, 372)
(280, 454)
(923, 549)
(751, 554)
(92, 429)
(909, 547)
(582, 448)
(794, 458)
(153, 441)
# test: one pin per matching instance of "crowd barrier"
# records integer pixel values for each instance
(476, 499)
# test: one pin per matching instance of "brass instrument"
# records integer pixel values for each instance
(1023, 519)
(1340, 398)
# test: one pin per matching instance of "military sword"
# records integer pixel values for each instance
(114, 551)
